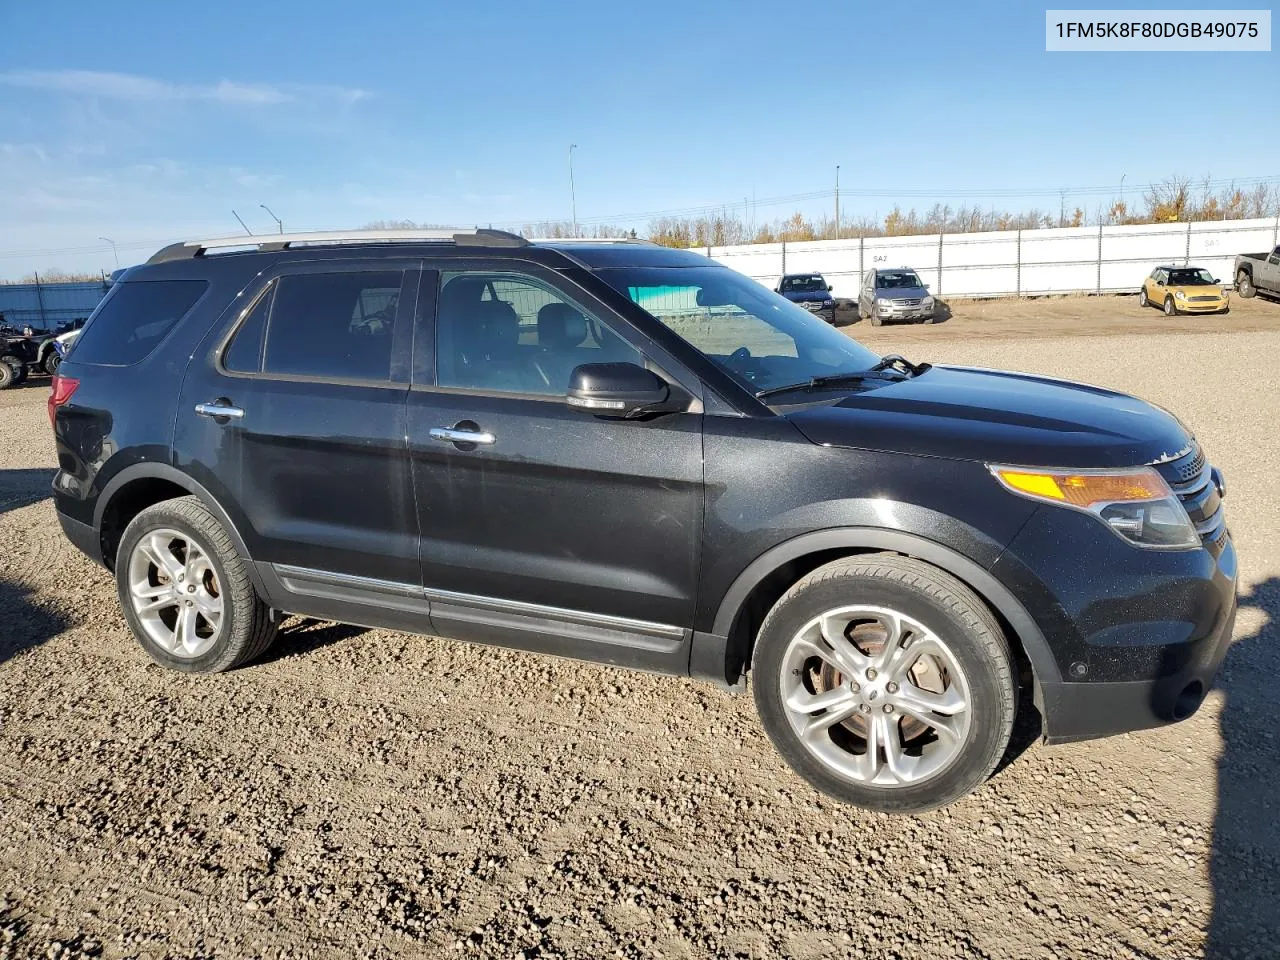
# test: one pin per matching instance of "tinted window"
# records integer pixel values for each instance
(334, 325)
(244, 353)
(508, 333)
(134, 318)
(814, 284)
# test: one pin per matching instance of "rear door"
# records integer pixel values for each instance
(558, 530)
(298, 408)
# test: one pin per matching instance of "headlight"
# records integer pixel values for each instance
(828, 303)
(1224, 292)
(882, 302)
(1134, 502)
(1179, 295)
(927, 303)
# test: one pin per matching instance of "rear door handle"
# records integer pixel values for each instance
(219, 410)
(451, 435)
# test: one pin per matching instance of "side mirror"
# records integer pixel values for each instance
(616, 389)
(830, 288)
(925, 285)
(1216, 280)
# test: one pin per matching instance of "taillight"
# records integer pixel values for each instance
(60, 393)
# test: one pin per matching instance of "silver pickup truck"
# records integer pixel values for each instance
(1258, 271)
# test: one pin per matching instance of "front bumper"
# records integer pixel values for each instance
(1137, 635)
(1207, 306)
(901, 314)
(826, 313)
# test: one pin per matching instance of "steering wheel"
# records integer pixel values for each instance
(745, 364)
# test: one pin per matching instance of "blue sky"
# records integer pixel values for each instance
(147, 122)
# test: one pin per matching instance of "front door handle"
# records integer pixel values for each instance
(219, 410)
(453, 435)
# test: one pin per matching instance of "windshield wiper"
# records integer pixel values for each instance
(832, 379)
(898, 361)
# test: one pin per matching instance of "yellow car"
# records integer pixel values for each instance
(1184, 290)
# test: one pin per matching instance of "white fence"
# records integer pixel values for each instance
(1013, 262)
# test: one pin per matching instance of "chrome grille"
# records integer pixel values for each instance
(1192, 480)
(907, 302)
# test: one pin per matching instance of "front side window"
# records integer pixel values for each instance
(333, 325)
(759, 337)
(512, 333)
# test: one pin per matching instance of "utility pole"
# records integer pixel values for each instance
(113, 250)
(1123, 208)
(1062, 207)
(573, 197)
(242, 223)
(279, 222)
(837, 201)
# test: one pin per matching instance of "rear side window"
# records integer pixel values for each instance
(134, 319)
(334, 325)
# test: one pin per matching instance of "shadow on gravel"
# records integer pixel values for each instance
(21, 488)
(22, 624)
(1245, 859)
(300, 636)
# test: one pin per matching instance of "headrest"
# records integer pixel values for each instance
(560, 325)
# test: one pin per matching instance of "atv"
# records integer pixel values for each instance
(16, 353)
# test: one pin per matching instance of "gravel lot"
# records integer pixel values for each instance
(369, 793)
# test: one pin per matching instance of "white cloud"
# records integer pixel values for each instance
(138, 89)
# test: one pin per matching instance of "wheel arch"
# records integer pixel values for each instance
(726, 651)
(141, 485)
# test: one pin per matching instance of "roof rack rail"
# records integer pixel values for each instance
(477, 237)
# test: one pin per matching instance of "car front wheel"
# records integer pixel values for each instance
(1170, 308)
(1142, 298)
(886, 683)
(185, 592)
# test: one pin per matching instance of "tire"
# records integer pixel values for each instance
(937, 613)
(245, 627)
(1244, 284)
(52, 362)
(862, 314)
(876, 319)
(1170, 308)
(1143, 300)
(8, 377)
(18, 368)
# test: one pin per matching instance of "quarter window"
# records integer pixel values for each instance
(333, 325)
(244, 353)
(509, 333)
(134, 318)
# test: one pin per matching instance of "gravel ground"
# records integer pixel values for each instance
(367, 793)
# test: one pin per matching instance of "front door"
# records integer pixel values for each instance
(550, 528)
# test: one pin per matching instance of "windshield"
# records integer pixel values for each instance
(889, 279)
(1190, 278)
(761, 339)
(814, 284)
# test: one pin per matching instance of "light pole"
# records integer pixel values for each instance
(837, 201)
(279, 222)
(113, 250)
(573, 198)
(1123, 208)
(242, 223)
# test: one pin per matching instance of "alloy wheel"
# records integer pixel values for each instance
(175, 592)
(875, 696)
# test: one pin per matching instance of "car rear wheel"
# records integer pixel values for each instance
(1244, 284)
(186, 594)
(886, 683)
(1170, 308)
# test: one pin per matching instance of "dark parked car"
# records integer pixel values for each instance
(623, 453)
(811, 291)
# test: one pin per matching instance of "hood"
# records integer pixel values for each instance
(964, 413)
(901, 293)
(808, 296)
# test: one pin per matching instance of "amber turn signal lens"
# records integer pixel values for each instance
(1084, 489)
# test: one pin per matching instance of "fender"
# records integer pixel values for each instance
(163, 471)
(708, 657)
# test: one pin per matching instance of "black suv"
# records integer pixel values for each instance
(625, 453)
